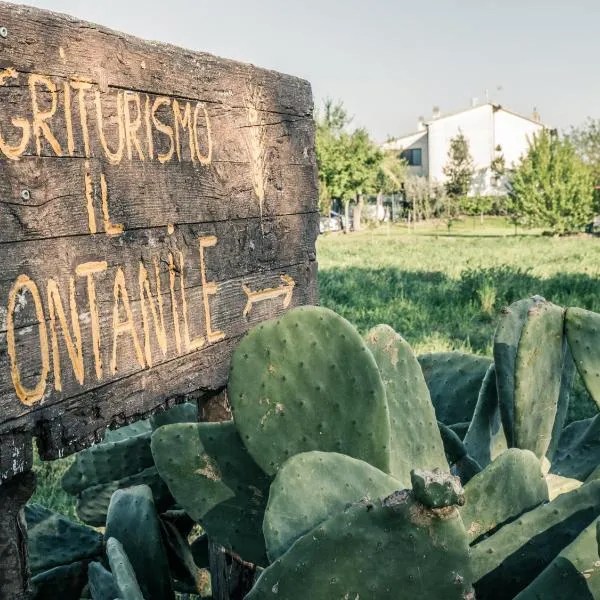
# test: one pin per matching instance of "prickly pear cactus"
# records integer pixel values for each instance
(485, 438)
(102, 583)
(454, 380)
(307, 381)
(510, 559)
(123, 572)
(108, 461)
(538, 370)
(212, 476)
(375, 549)
(336, 481)
(574, 573)
(54, 540)
(509, 486)
(93, 502)
(132, 520)
(415, 438)
(582, 328)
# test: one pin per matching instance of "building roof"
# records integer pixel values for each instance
(494, 105)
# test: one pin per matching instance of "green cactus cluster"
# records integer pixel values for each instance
(354, 469)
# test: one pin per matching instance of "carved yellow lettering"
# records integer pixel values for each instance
(158, 317)
(209, 288)
(174, 304)
(198, 342)
(109, 227)
(40, 126)
(148, 128)
(132, 127)
(88, 270)
(89, 197)
(122, 327)
(185, 121)
(113, 157)
(14, 152)
(81, 85)
(27, 396)
(204, 160)
(166, 129)
(73, 343)
(68, 117)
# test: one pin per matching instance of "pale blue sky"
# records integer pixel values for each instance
(391, 61)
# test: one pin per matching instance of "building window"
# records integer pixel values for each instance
(413, 157)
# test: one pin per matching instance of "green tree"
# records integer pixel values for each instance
(552, 187)
(459, 169)
(586, 141)
(459, 172)
(348, 161)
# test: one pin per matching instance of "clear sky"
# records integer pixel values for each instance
(391, 61)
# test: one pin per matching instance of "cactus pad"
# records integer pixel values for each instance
(307, 381)
(123, 572)
(54, 540)
(509, 560)
(538, 372)
(92, 504)
(357, 553)
(133, 521)
(313, 486)
(415, 440)
(180, 413)
(574, 573)
(102, 583)
(578, 452)
(107, 462)
(506, 488)
(454, 380)
(506, 344)
(583, 334)
(65, 582)
(485, 437)
(212, 476)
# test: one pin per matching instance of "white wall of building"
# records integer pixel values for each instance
(485, 127)
(477, 125)
(512, 133)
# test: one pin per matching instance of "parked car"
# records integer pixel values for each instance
(331, 223)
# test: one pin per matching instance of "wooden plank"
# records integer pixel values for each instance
(155, 203)
(56, 206)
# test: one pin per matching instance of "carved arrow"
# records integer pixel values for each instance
(285, 290)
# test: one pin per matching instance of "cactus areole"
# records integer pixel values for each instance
(155, 204)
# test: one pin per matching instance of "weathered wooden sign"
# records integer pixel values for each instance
(154, 204)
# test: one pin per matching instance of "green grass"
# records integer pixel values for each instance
(443, 290)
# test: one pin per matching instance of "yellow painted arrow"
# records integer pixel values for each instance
(285, 290)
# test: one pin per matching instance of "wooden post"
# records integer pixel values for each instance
(14, 576)
(231, 578)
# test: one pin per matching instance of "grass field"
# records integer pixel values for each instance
(443, 290)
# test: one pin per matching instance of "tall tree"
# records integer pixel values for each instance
(348, 160)
(459, 169)
(552, 187)
(586, 141)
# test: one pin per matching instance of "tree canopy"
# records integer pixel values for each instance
(552, 187)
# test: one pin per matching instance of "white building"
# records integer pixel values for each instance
(491, 131)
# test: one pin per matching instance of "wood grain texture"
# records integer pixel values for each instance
(155, 203)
